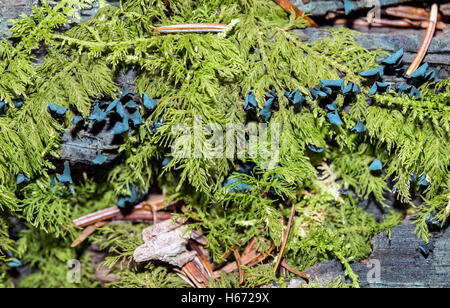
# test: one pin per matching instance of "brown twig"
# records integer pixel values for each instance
(158, 201)
(140, 212)
(251, 258)
(294, 270)
(86, 232)
(231, 249)
(410, 12)
(426, 41)
(138, 215)
(97, 217)
(383, 22)
(285, 239)
(288, 7)
(144, 216)
(239, 266)
(249, 247)
(154, 212)
(261, 257)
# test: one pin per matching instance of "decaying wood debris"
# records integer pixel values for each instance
(322, 7)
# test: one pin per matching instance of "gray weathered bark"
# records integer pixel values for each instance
(401, 262)
(438, 55)
(12, 9)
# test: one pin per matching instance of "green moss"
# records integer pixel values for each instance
(208, 75)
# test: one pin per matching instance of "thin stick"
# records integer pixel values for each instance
(410, 12)
(383, 22)
(111, 212)
(239, 266)
(250, 259)
(426, 41)
(288, 7)
(262, 257)
(249, 247)
(154, 212)
(190, 28)
(230, 250)
(286, 237)
(144, 216)
(86, 232)
(97, 217)
(138, 215)
(294, 270)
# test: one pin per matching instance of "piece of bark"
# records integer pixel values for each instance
(165, 241)
(82, 146)
(325, 272)
(438, 52)
(11, 9)
(402, 264)
(196, 273)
